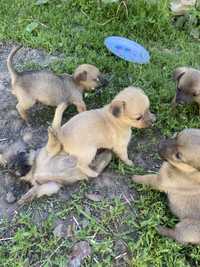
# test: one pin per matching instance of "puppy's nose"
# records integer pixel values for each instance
(104, 81)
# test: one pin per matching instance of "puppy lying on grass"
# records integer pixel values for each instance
(44, 86)
(188, 86)
(179, 178)
(108, 127)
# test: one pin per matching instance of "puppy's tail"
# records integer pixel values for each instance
(57, 120)
(11, 69)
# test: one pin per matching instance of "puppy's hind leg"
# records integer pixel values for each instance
(101, 161)
(85, 156)
(38, 191)
(87, 170)
(23, 105)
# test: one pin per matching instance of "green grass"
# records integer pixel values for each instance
(77, 29)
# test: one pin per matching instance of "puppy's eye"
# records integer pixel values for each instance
(178, 155)
(139, 118)
(194, 94)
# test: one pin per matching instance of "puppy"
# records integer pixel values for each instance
(44, 86)
(108, 127)
(188, 85)
(44, 170)
(179, 178)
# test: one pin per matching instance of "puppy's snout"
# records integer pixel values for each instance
(151, 118)
(182, 98)
(166, 148)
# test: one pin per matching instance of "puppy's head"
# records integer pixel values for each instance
(19, 164)
(188, 85)
(131, 107)
(89, 77)
(183, 150)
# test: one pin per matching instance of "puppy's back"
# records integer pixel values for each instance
(86, 128)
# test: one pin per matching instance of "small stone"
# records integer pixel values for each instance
(59, 231)
(10, 198)
(94, 196)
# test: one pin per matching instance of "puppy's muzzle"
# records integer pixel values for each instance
(149, 122)
(167, 148)
(182, 98)
(19, 164)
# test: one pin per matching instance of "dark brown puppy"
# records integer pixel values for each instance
(188, 85)
(44, 86)
(179, 178)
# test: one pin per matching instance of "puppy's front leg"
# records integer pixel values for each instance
(123, 155)
(186, 231)
(151, 180)
(80, 106)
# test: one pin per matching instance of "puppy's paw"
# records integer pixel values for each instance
(81, 108)
(129, 162)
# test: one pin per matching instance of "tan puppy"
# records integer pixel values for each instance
(44, 86)
(188, 85)
(108, 127)
(44, 170)
(179, 178)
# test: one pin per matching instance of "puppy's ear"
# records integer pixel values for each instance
(53, 145)
(117, 108)
(178, 73)
(82, 76)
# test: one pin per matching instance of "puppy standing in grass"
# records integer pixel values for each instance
(44, 86)
(188, 86)
(179, 178)
(108, 127)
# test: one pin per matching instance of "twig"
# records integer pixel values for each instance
(3, 139)
(76, 222)
(121, 256)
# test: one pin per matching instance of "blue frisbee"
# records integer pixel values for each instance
(127, 49)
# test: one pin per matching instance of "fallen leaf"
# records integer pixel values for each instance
(80, 251)
(32, 26)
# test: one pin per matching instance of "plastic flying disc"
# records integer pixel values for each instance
(127, 49)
